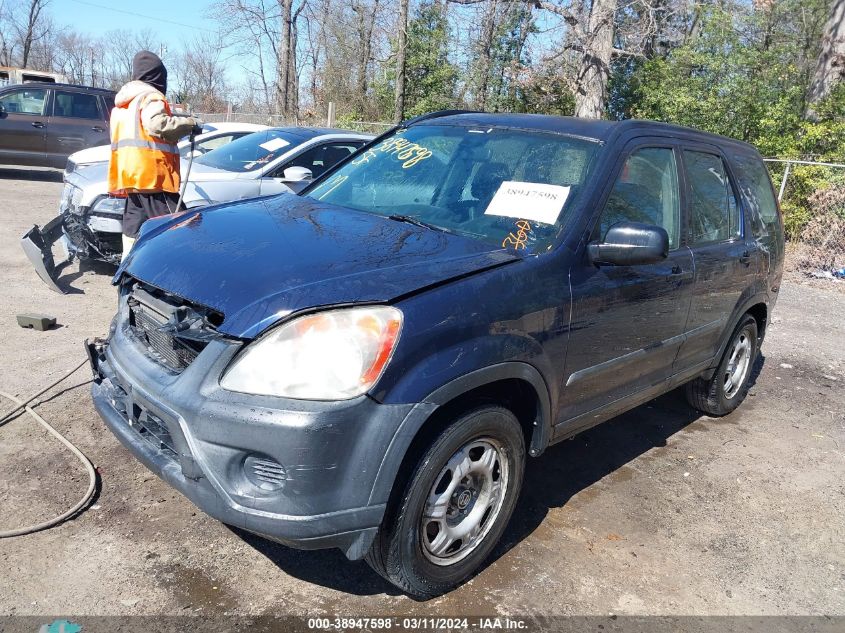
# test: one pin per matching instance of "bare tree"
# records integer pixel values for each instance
(200, 74)
(401, 51)
(32, 28)
(7, 46)
(484, 48)
(284, 58)
(365, 23)
(830, 67)
(250, 31)
(75, 57)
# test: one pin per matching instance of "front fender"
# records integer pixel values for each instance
(454, 388)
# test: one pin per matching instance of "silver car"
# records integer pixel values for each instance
(269, 162)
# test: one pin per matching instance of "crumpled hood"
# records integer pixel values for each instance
(131, 90)
(260, 260)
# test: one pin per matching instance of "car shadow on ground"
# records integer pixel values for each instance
(34, 173)
(551, 480)
(64, 280)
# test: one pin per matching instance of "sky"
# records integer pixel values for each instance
(172, 20)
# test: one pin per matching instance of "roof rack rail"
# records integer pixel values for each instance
(435, 115)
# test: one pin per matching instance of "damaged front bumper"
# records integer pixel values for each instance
(37, 243)
(299, 472)
(86, 237)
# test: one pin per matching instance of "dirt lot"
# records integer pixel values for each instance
(660, 511)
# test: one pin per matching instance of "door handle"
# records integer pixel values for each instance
(676, 270)
(37, 124)
(745, 258)
(97, 128)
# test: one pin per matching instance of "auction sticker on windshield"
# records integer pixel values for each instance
(275, 143)
(528, 201)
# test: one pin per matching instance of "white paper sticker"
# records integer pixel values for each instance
(528, 201)
(275, 143)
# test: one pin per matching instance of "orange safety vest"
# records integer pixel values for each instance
(139, 161)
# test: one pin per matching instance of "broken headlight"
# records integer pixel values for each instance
(71, 197)
(331, 355)
(110, 205)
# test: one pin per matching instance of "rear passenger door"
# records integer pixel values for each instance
(77, 122)
(725, 263)
(628, 321)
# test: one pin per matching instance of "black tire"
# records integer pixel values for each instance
(711, 396)
(399, 554)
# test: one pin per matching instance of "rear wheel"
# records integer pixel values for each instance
(728, 387)
(455, 506)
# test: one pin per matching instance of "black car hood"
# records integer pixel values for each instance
(261, 260)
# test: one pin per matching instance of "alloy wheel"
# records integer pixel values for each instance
(464, 501)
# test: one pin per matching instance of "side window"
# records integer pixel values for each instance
(213, 143)
(756, 185)
(318, 159)
(646, 190)
(24, 101)
(714, 212)
(76, 105)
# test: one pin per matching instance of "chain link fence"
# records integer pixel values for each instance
(812, 197)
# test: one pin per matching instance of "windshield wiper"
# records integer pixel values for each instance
(409, 219)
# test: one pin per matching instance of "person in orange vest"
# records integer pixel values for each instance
(144, 163)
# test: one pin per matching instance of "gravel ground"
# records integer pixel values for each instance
(659, 511)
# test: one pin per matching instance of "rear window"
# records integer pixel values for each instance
(714, 213)
(756, 186)
(251, 152)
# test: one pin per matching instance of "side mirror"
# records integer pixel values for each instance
(630, 244)
(2, 109)
(297, 174)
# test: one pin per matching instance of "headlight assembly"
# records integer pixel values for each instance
(332, 355)
(110, 205)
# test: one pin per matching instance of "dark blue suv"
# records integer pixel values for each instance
(368, 365)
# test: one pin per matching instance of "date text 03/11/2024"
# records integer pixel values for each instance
(417, 623)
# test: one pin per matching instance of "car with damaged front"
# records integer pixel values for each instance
(233, 166)
(368, 365)
(214, 135)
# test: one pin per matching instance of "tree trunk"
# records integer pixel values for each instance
(28, 36)
(293, 76)
(283, 62)
(830, 67)
(591, 84)
(485, 46)
(366, 23)
(402, 46)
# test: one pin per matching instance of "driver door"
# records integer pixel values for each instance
(23, 126)
(318, 158)
(628, 321)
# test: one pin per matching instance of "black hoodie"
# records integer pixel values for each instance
(148, 67)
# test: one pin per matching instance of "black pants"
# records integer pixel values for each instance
(140, 207)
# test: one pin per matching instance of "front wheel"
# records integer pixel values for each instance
(455, 506)
(729, 385)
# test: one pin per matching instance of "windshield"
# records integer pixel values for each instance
(509, 187)
(250, 152)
